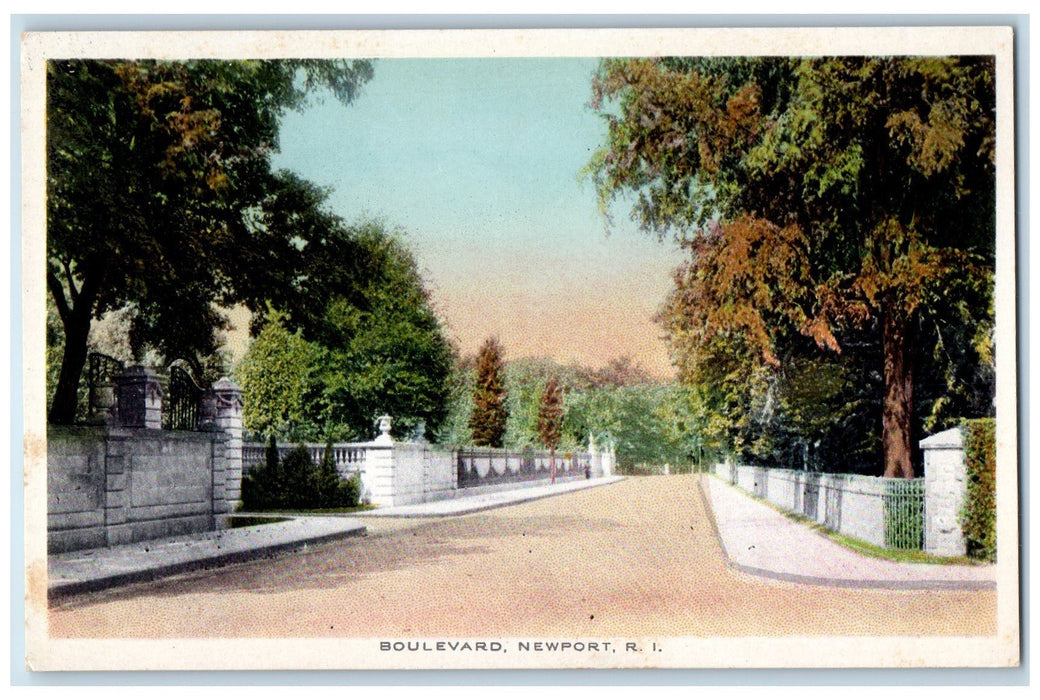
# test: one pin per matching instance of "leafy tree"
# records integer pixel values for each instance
(647, 424)
(488, 422)
(159, 183)
(454, 430)
(382, 346)
(276, 375)
(816, 197)
(370, 343)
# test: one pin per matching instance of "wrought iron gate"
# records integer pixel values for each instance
(181, 410)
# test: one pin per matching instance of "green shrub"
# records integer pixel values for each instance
(300, 479)
(348, 493)
(979, 517)
(295, 483)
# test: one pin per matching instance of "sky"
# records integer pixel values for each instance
(479, 162)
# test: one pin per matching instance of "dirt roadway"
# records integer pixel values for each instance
(636, 558)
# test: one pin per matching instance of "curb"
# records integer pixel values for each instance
(65, 589)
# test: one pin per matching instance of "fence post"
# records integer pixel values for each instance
(222, 408)
(944, 492)
(379, 466)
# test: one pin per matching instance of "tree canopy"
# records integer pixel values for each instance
(368, 345)
(820, 198)
(160, 196)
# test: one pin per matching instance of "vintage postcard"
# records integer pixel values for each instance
(520, 349)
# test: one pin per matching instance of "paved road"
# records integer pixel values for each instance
(635, 558)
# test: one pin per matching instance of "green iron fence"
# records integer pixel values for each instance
(904, 513)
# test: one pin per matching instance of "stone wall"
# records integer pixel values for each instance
(127, 480)
(110, 486)
(396, 473)
(853, 505)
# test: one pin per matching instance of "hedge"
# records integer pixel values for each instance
(979, 517)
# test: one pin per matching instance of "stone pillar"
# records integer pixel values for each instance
(945, 488)
(595, 458)
(118, 527)
(379, 473)
(379, 466)
(140, 392)
(222, 411)
(608, 460)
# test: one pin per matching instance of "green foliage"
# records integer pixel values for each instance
(160, 195)
(385, 351)
(525, 380)
(488, 421)
(979, 517)
(647, 424)
(295, 483)
(276, 374)
(454, 430)
(369, 342)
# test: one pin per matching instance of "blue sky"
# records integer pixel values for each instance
(479, 162)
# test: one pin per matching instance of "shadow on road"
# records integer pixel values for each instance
(389, 547)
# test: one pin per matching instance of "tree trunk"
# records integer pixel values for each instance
(897, 412)
(73, 359)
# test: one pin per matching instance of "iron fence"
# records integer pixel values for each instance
(904, 513)
(181, 410)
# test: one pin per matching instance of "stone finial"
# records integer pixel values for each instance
(385, 422)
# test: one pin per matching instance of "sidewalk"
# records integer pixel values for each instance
(496, 499)
(96, 569)
(760, 540)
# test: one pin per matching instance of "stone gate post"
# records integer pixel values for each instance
(222, 410)
(944, 492)
(140, 392)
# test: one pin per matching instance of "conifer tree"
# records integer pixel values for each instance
(488, 422)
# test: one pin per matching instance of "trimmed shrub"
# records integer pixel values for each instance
(295, 483)
(301, 480)
(979, 517)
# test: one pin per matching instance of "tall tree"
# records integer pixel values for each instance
(815, 196)
(488, 421)
(550, 415)
(383, 348)
(157, 174)
(276, 375)
(550, 421)
(367, 341)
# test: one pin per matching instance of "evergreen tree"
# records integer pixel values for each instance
(488, 422)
